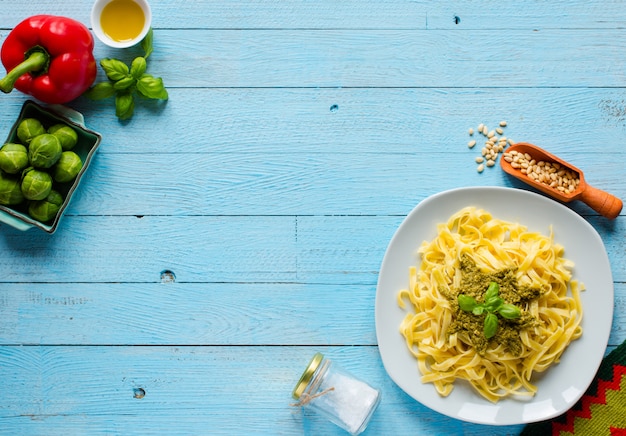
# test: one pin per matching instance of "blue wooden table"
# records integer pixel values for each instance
(220, 240)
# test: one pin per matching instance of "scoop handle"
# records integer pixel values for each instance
(602, 202)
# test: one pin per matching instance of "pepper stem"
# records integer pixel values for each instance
(34, 62)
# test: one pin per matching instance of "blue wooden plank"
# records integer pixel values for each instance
(384, 58)
(355, 121)
(290, 184)
(201, 314)
(235, 249)
(118, 249)
(387, 58)
(187, 314)
(216, 390)
(355, 14)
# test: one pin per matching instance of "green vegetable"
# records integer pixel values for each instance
(493, 305)
(67, 167)
(28, 129)
(151, 87)
(509, 311)
(44, 151)
(13, 158)
(10, 190)
(65, 134)
(46, 209)
(146, 43)
(493, 291)
(138, 67)
(31, 169)
(101, 90)
(36, 185)
(466, 303)
(124, 83)
(114, 69)
(124, 105)
(478, 310)
(491, 325)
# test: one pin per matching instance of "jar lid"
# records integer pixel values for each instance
(307, 375)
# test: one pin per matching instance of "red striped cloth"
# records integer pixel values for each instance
(600, 411)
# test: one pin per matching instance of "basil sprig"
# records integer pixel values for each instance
(124, 82)
(493, 305)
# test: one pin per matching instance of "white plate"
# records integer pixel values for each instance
(561, 385)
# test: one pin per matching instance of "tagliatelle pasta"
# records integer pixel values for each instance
(496, 248)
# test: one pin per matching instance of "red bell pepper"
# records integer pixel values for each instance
(50, 58)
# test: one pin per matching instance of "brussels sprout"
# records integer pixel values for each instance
(28, 129)
(46, 209)
(36, 185)
(67, 167)
(44, 151)
(65, 134)
(10, 191)
(13, 158)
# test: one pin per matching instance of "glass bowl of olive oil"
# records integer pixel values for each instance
(121, 23)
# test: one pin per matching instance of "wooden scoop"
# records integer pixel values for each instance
(602, 202)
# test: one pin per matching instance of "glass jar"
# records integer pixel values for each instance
(332, 392)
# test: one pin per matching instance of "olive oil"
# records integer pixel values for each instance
(122, 20)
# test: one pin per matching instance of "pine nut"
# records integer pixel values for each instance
(495, 144)
(549, 173)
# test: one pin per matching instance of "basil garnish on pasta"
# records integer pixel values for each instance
(493, 305)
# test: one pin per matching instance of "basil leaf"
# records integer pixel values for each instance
(152, 87)
(466, 302)
(124, 105)
(138, 67)
(146, 43)
(492, 290)
(509, 311)
(123, 84)
(478, 310)
(494, 304)
(114, 69)
(101, 91)
(491, 325)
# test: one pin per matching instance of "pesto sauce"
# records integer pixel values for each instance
(474, 283)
